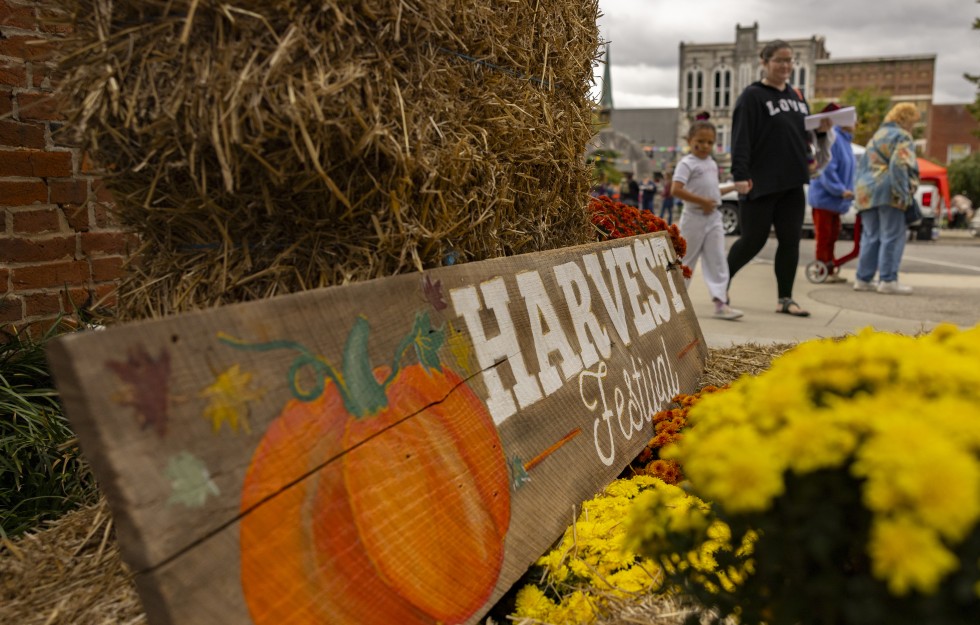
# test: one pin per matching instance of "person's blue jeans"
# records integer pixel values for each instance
(883, 233)
(667, 208)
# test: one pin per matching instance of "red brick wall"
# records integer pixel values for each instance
(58, 245)
(950, 124)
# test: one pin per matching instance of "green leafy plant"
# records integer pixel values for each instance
(964, 176)
(42, 474)
(604, 167)
(871, 105)
(974, 107)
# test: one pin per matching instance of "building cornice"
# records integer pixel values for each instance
(876, 59)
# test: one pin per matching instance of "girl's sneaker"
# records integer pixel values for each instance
(725, 311)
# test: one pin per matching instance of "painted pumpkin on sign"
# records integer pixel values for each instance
(383, 499)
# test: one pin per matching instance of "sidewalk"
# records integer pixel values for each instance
(835, 309)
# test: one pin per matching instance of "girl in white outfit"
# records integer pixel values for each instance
(696, 183)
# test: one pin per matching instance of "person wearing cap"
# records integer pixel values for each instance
(831, 194)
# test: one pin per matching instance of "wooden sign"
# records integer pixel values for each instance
(394, 451)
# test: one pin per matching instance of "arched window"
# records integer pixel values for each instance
(694, 89)
(721, 91)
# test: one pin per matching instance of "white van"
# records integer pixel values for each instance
(930, 201)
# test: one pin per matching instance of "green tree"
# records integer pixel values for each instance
(964, 176)
(975, 79)
(604, 167)
(871, 108)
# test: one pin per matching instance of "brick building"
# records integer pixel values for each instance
(951, 133)
(58, 246)
(904, 78)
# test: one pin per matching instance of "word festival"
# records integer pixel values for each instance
(637, 294)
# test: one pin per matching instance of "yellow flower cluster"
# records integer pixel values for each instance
(593, 561)
(668, 521)
(900, 414)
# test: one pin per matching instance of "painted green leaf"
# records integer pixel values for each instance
(190, 481)
(427, 341)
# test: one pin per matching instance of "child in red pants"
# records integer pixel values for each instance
(831, 194)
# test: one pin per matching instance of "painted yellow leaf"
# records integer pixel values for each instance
(228, 400)
(460, 348)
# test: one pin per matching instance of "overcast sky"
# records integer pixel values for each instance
(645, 37)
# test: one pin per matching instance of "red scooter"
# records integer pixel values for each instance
(818, 271)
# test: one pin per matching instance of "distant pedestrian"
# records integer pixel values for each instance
(887, 178)
(772, 159)
(695, 181)
(962, 210)
(648, 191)
(630, 191)
(667, 201)
(831, 194)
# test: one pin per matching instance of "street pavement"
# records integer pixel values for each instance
(835, 309)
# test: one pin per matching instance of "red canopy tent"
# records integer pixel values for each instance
(936, 174)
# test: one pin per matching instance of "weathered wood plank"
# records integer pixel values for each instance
(390, 451)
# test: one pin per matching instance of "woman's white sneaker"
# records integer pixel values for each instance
(894, 288)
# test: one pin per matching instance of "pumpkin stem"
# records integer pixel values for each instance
(363, 395)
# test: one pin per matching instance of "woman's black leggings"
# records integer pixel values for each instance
(782, 211)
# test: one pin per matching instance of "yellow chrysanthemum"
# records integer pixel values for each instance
(908, 557)
(919, 472)
(736, 467)
(531, 602)
(636, 579)
(809, 444)
(959, 419)
(623, 488)
(900, 413)
(579, 608)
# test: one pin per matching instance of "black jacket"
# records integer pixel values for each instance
(769, 144)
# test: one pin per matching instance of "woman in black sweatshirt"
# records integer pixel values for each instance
(771, 161)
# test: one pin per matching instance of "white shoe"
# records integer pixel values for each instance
(727, 312)
(861, 285)
(894, 288)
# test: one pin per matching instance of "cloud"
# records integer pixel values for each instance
(645, 36)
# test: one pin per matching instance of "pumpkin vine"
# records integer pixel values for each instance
(361, 393)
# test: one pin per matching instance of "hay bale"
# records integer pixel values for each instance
(68, 573)
(266, 147)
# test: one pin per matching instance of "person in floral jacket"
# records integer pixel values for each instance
(885, 185)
